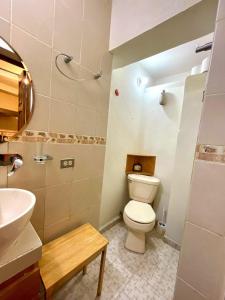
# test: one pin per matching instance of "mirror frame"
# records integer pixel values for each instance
(22, 64)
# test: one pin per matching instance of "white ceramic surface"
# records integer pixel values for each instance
(16, 207)
(141, 190)
(139, 220)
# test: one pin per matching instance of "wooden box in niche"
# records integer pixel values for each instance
(147, 162)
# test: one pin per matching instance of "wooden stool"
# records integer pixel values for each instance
(70, 254)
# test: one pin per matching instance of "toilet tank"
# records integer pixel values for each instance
(142, 188)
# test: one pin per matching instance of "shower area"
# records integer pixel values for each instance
(155, 109)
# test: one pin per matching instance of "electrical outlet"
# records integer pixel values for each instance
(67, 163)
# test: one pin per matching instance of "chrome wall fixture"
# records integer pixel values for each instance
(42, 159)
(205, 47)
(67, 59)
(14, 160)
(162, 98)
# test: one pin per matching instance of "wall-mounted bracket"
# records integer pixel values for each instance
(42, 159)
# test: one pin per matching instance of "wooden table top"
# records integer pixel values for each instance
(68, 253)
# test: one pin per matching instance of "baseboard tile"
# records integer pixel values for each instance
(171, 243)
(110, 224)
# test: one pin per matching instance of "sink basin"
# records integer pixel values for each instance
(16, 208)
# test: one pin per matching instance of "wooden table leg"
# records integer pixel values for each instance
(48, 295)
(84, 270)
(101, 273)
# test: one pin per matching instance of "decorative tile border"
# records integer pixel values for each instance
(60, 138)
(214, 153)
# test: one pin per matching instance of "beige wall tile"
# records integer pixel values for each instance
(101, 124)
(38, 215)
(95, 93)
(72, 107)
(37, 57)
(83, 162)
(91, 54)
(221, 10)
(81, 197)
(89, 215)
(55, 230)
(85, 193)
(212, 121)
(184, 291)
(40, 118)
(103, 103)
(68, 27)
(106, 66)
(92, 215)
(4, 29)
(57, 203)
(85, 121)
(30, 175)
(5, 9)
(182, 5)
(202, 256)
(201, 261)
(96, 32)
(3, 170)
(55, 175)
(62, 117)
(89, 93)
(215, 84)
(105, 82)
(85, 202)
(98, 12)
(98, 160)
(77, 220)
(206, 206)
(39, 23)
(63, 88)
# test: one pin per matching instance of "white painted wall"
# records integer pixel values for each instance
(131, 18)
(124, 121)
(134, 127)
(187, 139)
(159, 131)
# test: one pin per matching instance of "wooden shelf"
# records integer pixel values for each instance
(147, 162)
(8, 112)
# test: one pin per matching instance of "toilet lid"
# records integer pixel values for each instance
(140, 212)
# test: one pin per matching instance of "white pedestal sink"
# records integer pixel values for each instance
(16, 208)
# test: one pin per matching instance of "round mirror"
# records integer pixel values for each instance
(16, 93)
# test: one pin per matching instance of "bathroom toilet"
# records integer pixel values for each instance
(138, 214)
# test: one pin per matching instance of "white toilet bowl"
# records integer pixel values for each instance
(139, 218)
(138, 214)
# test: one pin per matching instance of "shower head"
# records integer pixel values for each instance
(67, 58)
(98, 75)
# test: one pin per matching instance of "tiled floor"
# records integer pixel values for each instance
(149, 276)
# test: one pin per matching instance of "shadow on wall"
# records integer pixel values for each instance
(125, 193)
(169, 108)
(156, 202)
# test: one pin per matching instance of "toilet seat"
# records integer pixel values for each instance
(139, 212)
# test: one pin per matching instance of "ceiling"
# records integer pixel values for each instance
(176, 60)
